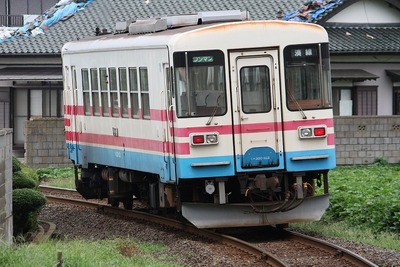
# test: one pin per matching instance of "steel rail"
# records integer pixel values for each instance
(261, 254)
(338, 251)
(54, 189)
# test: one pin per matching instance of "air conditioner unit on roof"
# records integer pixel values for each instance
(148, 26)
(160, 24)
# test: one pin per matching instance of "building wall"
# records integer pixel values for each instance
(368, 11)
(45, 143)
(6, 223)
(362, 139)
(23, 7)
(383, 83)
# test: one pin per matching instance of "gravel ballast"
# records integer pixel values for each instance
(186, 249)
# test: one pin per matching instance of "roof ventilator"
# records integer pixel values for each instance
(161, 24)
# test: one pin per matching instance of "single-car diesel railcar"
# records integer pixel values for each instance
(228, 122)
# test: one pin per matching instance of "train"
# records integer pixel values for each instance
(224, 120)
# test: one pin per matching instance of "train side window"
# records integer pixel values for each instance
(74, 85)
(255, 89)
(144, 92)
(86, 91)
(112, 72)
(123, 88)
(94, 83)
(104, 92)
(134, 92)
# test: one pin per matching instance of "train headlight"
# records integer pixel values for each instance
(212, 138)
(202, 139)
(305, 132)
(312, 132)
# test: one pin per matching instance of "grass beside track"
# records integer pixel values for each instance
(117, 252)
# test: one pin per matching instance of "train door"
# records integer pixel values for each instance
(258, 119)
(70, 113)
(168, 149)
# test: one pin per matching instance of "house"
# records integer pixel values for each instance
(364, 36)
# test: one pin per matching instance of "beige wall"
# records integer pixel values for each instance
(45, 143)
(6, 223)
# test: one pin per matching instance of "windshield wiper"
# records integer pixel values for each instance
(214, 112)
(298, 105)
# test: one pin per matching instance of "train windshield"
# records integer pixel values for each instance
(200, 83)
(308, 80)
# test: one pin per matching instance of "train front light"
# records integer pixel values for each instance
(202, 139)
(305, 132)
(212, 138)
(312, 132)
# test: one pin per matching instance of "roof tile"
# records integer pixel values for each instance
(104, 14)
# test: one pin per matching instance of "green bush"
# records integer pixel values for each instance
(366, 196)
(16, 164)
(27, 203)
(21, 180)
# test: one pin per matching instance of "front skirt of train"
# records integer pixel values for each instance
(208, 215)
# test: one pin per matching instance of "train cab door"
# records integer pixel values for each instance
(70, 113)
(257, 113)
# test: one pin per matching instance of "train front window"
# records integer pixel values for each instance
(308, 82)
(200, 83)
(255, 84)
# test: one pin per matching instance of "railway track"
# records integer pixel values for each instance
(281, 248)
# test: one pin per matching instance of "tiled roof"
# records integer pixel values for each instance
(364, 39)
(313, 11)
(105, 13)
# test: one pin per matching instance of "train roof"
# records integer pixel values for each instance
(163, 32)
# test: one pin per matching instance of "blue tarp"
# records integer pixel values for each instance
(62, 10)
(311, 11)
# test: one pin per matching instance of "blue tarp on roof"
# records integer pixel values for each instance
(63, 10)
(312, 10)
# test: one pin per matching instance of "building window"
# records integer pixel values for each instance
(342, 101)
(396, 100)
(4, 108)
(366, 103)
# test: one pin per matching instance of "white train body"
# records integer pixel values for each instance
(203, 119)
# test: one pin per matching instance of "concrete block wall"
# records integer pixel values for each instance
(45, 143)
(362, 139)
(6, 222)
(359, 140)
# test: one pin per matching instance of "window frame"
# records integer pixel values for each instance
(134, 92)
(86, 91)
(144, 92)
(123, 92)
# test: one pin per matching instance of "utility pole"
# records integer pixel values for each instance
(8, 12)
